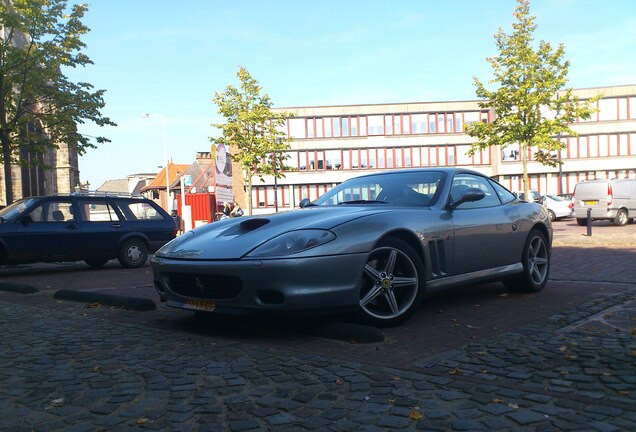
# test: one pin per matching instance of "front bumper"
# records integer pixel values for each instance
(330, 283)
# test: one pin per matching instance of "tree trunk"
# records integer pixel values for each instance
(6, 158)
(524, 164)
(248, 192)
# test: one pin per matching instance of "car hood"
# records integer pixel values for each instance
(233, 238)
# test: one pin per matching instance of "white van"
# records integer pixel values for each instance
(609, 199)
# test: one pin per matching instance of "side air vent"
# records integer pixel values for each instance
(438, 258)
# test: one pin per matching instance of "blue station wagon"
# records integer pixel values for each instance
(93, 227)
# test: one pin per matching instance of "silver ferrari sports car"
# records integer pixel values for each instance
(375, 244)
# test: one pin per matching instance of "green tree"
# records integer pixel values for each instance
(532, 107)
(253, 129)
(39, 106)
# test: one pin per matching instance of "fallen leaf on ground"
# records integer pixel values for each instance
(415, 414)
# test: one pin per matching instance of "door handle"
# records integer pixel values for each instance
(116, 225)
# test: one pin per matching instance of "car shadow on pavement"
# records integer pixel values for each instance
(272, 326)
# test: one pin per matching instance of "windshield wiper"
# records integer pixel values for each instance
(363, 202)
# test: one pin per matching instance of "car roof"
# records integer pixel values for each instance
(447, 170)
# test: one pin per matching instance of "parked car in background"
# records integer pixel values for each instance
(613, 200)
(558, 207)
(534, 196)
(93, 227)
(373, 244)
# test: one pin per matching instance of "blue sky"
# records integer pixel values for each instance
(152, 56)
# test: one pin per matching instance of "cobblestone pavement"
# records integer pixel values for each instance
(76, 371)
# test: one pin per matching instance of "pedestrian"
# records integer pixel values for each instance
(177, 220)
(227, 210)
(237, 211)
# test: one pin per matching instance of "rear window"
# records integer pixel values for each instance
(596, 190)
(139, 210)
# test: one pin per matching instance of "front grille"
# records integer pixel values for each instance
(204, 286)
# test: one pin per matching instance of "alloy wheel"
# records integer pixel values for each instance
(538, 260)
(391, 284)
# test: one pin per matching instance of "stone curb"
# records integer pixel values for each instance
(125, 302)
(599, 240)
(18, 288)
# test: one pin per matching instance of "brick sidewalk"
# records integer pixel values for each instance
(72, 370)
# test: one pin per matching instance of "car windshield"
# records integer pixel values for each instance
(11, 212)
(413, 188)
(556, 198)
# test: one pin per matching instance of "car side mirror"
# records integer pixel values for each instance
(25, 220)
(304, 202)
(469, 195)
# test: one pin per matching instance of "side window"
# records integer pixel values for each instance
(53, 211)
(97, 211)
(138, 210)
(504, 194)
(461, 182)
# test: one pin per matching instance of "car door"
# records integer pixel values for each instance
(48, 232)
(486, 231)
(102, 227)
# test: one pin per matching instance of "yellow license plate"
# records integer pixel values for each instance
(591, 203)
(202, 305)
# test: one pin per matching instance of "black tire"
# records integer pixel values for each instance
(581, 221)
(392, 284)
(96, 262)
(133, 253)
(621, 218)
(551, 215)
(536, 265)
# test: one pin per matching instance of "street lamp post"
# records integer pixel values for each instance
(165, 155)
(560, 173)
(278, 140)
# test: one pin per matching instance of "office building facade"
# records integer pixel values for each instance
(333, 143)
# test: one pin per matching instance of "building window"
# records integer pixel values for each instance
(608, 109)
(363, 158)
(418, 123)
(372, 156)
(623, 113)
(354, 126)
(459, 123)
(297, 128)
(336, 126)
(376, 125)
(397, 124)
(319, 131)
(333, 158)
(345, 126)
(310, 128)
(381, 158)
(471, 117)
(363, 126)
(327, 124)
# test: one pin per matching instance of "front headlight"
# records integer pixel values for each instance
(292, 242)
